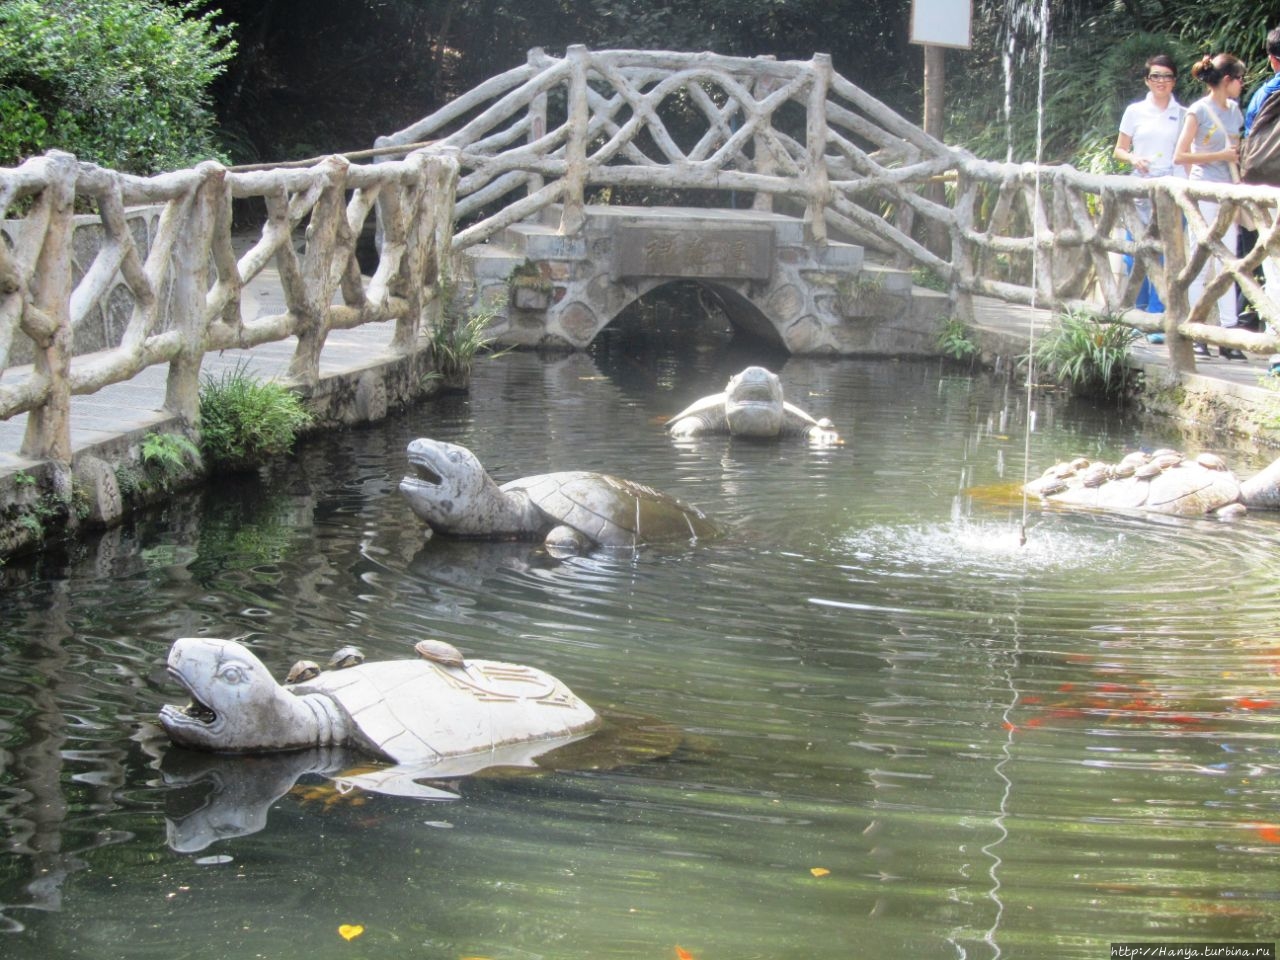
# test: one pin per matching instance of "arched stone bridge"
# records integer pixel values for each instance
(825, 169)
(554, 269)
(546, 288)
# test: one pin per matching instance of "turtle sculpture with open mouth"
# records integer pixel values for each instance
(417, 711)
(572, 511)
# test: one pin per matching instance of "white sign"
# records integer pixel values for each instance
(943, 23)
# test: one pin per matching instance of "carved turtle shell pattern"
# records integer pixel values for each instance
(612, 511)
(384, 701)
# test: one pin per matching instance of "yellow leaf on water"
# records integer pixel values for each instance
(349, 931)
(819, 871)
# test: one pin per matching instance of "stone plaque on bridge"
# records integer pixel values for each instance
(695, 249)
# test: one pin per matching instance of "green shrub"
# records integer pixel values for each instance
(955, 339)
(924, 277)
(1088, 355)
(244, 420)
(122, 83)
(167, 455)
(454, 344)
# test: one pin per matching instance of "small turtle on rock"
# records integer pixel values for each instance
(441, 652)
(302, 671)
(1163, 482)
(345, 657)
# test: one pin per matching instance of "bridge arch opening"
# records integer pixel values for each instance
(700, 315)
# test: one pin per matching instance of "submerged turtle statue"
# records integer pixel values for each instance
(1165, 482)
(751, 406)
(572, 511)
(418, 711)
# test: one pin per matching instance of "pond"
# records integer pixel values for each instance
(868, 722)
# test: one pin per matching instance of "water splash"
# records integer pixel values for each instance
(965, 544)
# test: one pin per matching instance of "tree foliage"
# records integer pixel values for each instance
(123, 83)
(1093, 67)
(318, 76)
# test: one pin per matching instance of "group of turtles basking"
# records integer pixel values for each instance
(442, 705)
(1164, 481)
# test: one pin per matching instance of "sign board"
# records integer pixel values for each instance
(711, 250)
(941, 23)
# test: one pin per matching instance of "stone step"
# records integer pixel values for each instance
(489, 262)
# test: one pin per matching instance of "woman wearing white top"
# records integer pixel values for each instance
(1148, 134)
(1210, 142)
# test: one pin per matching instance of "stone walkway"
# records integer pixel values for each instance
(1006, 329)
(126, 408)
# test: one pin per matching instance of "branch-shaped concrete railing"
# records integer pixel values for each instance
(546, 133)
(186, 289)
(547, 136)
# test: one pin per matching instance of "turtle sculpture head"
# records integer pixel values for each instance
(752, 406)
(572, 511)
(236, 705)
(408, 711)
(1164, 482)
(450, 491)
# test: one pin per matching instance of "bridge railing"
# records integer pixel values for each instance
(187, 286)
(553, 130)
(547, 133)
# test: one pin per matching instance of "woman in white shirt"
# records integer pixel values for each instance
(1210, 143)
(1148, 134)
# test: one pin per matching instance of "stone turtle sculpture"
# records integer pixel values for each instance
(409, 711)
(572, 511)
(751, 405)
(1165, 482)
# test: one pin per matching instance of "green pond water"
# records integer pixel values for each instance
(868, 722)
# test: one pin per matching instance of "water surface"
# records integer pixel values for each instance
(886, 727)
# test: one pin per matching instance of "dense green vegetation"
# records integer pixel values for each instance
(124, 83)
(137, 84)
(1096, 51)
(245, 421)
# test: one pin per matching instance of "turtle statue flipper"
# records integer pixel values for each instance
(563, 540)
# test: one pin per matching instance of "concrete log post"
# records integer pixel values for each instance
(766, 164)
(1168, 220)
(48, 433)
(818, 186)
(318, 277)
(537, 119)
(189, 276)
(575, 175)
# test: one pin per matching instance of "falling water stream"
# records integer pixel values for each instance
(866, 722)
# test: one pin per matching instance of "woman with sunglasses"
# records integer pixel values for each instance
(1210, 142)
(1148, 134)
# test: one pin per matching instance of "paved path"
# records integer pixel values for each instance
(136, 405)
(1012, 324)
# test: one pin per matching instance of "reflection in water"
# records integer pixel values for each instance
(989, 749)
